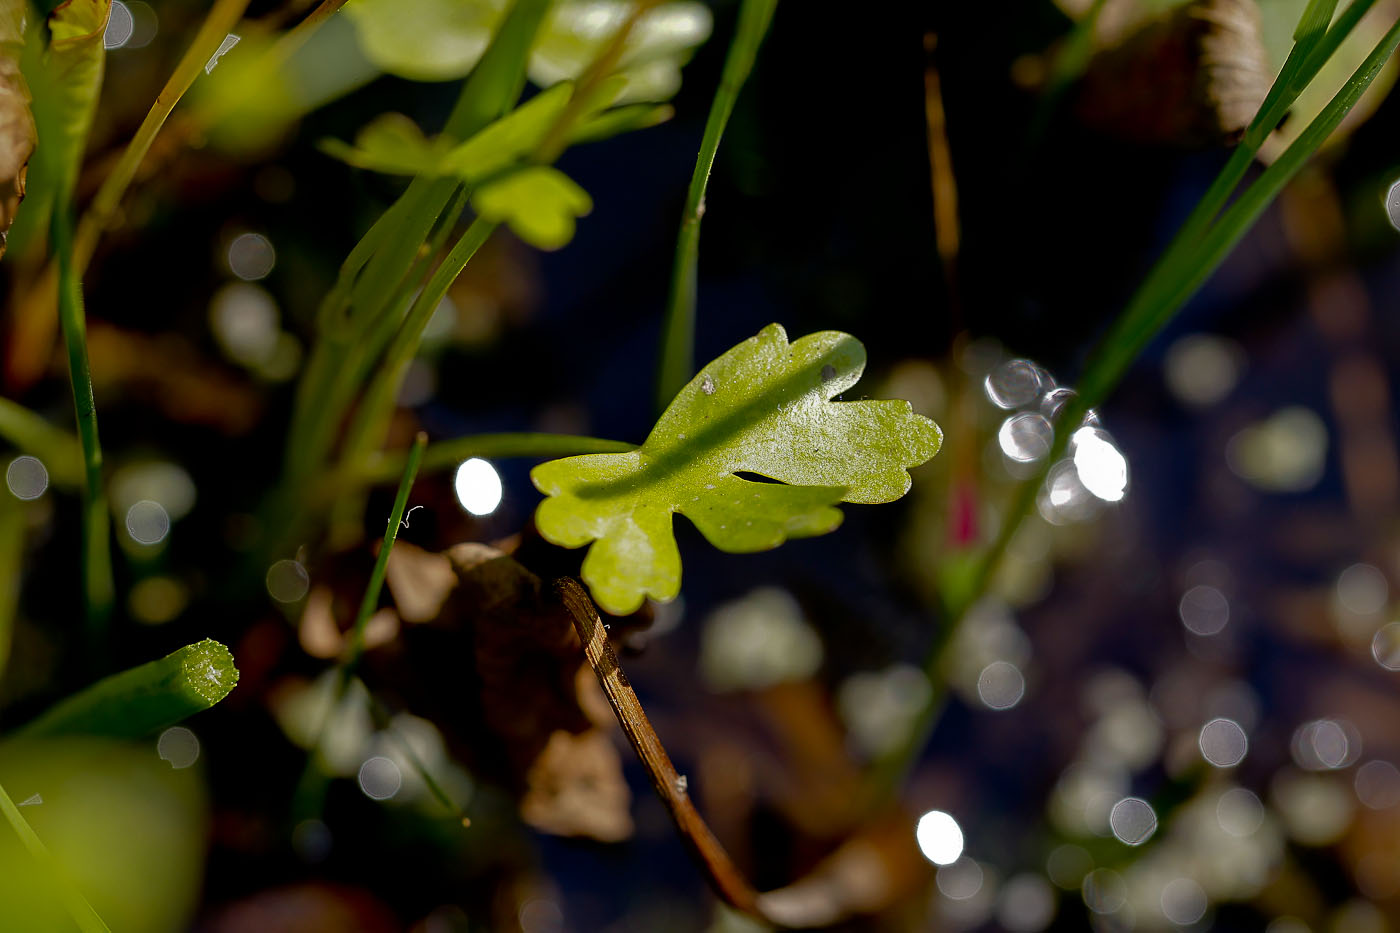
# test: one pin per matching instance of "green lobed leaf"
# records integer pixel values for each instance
(764, 407)
(539, 204)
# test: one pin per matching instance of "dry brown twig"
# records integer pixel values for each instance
(724, 876)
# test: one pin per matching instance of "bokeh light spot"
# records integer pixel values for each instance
(478, 486)
(179, 746)
(939, 837)
(287, 581)
(120, 25)
(1223, 743)
(251, 256)
(380, 778)
(147, 522)
(27, 477)
(1132, 820)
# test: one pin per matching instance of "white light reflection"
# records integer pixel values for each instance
(244, 320)
(1013, 384)
(1392, 205)
(120, 25)
(1064, 498)
(1362, 589)
(1067, 865)
(1001, 685)
(1104, 891)
(229, 42)
(1378, 785)
(1239, 812)
(1223, 743)
(1102, 468)
(1202, 369)
(1284, 453)
(1385, 646)
(27, 477)
(1132, 820)
(144, 24)
(1183, 901)
(478, 486)
(1026, 904)
(380, 778)
(147, 522)
(939, 838)
(287, 581)
(179, 746)
(1204, 610)
(251, 256)
(1026, 437)
(1325, 745)
(960, 879)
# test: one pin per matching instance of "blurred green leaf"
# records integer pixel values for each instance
(438, 40)
(763, 407)
(425, 40)
(661, 41)
(121, 830)
(538, 203)
(620, 120)
(511, 138)
(65, 82)
(391, 143)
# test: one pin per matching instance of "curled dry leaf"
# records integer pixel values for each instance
(495, 662)
(17, 132)
(1194, 77)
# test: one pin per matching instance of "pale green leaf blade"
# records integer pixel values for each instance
(539, 203)
(765, 407)
(425, 40)
(661, 41)
(392, 144)
(511, 138)
(65, 83)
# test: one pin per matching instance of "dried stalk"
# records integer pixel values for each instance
(724, 876)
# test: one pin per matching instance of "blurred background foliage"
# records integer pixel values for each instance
(1174, 708)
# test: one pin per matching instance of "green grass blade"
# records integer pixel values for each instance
(145, 699)
(78, 907)
(31, 434)
(678, 327)
(1126, 339)
(98, 588)
(355, 645)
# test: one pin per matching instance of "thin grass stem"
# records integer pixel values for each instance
(98, 588)
(677, 363)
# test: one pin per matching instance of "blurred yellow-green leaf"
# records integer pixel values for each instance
(538, 203)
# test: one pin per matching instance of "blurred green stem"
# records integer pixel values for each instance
(98, 588)
(60, 452)
(145, 699)
(678, 326)
(446, 454)
(224, 15)
(78, 907)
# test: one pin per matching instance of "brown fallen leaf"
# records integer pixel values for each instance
(1194, 77)
(500, 670)
(18, 135)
